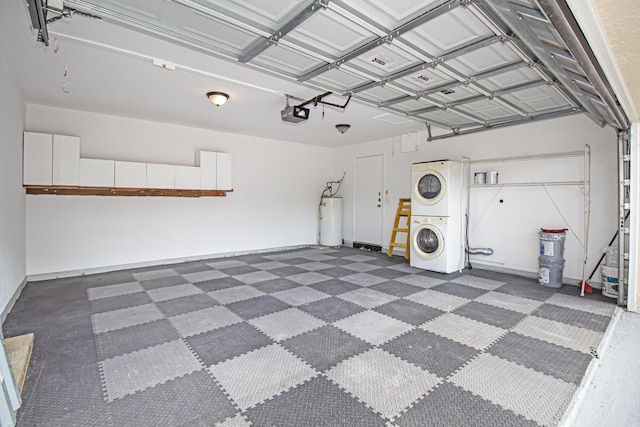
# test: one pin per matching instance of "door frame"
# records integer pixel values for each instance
(355, 195)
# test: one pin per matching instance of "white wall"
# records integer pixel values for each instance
(511, 227)
(12, 197)
(274, 204)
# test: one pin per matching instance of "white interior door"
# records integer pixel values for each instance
(368, 200)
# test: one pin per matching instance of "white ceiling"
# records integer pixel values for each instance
(106, 66)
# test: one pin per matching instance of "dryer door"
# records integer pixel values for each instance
(429, 187)
(428, 241)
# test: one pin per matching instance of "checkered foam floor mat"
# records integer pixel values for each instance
(332, 337)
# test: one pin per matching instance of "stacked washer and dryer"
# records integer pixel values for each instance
(438, 206)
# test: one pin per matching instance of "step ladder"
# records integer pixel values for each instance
(404, 210)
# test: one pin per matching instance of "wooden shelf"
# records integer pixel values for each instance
(106, 191)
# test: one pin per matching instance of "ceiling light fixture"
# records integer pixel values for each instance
(217, 98)
(342, 128)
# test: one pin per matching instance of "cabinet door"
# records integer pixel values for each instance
(66, 160)
(130, 175)
(160, 176)
(207, 160)
(96, 173)
(223, 172)
(38, 159)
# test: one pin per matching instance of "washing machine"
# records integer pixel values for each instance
(436, 243)
(437, 189)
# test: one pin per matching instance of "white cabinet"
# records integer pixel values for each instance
(187, 178)
(223, 172)
(130, 174)
(160, 176)
(96, 173)
(38, 159)
(207, 161)
(66, 160)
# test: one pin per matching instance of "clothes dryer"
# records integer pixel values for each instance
(436, 243)
(437, 189)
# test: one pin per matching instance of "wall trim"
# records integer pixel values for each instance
(13, 300)
(169, 261)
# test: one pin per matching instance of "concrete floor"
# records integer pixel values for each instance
(610, 392)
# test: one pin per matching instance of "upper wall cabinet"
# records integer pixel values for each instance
(38, 159)
(52, 165)
(66, 160)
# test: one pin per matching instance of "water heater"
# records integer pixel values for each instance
(331, 221)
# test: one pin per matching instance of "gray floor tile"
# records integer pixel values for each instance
(324, 347)
(196, 322)
(465, 331)
(191, 267)
(386, 329)
(225, 343)
(579, 318)
(258, 306)
(286, 324)
(364, 279)
(367, 298)
(317, 403)
(332, 309)
(559, 362)
(154, 273)
(218, 284)
(162, 282)
(255, 277)
(314, 266)
(237, 271)
(530, 291)
(133, 338)
(309, 278)
(186, 304)
(334, 287)
(203, 276)
(603, 308)
(225, 264)
(409, 312)
(173, 402)
(359, 258)
(457, 289)
(173, 292)
(110, 278)
(398, 289)
(269, 265)
(431, 352)
(123, 301)
(254, 377)
(337, 272)
(489, 314)
(509, 302)
(360, 267)
(275, 285)
(543, 399)
(418, 280)
(300, 295)
(235, 294)
(449, 405)
(142, 369)
(579, 339)
(438, 300)
(289, 270)
(117, 319)
(114, 290)
(366, 376)
(478, 282)
(387, 273)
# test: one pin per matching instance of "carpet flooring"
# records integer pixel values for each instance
(309, 337)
